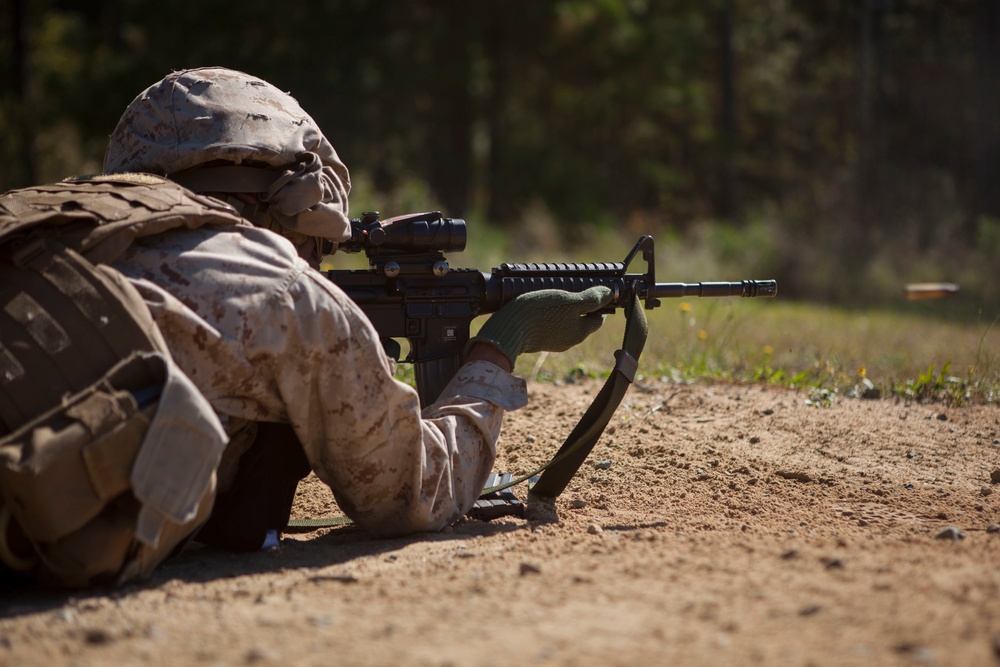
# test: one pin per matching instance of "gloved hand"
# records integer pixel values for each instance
(546, 320)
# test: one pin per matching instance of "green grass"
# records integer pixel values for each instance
(822, 350)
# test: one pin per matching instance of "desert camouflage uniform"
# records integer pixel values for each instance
(267, 338)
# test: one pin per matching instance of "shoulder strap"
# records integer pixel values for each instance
(101, 216)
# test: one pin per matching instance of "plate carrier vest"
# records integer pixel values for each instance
(107, 451)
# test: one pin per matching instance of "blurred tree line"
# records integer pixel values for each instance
(857, 138)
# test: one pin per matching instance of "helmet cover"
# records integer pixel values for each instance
(209, 115)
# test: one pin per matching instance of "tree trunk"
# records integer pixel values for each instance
(728, 204)
(986, 138)
(24, 171)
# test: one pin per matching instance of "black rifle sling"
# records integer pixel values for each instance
(556, 474)
(582, 439)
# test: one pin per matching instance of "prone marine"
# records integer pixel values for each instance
(196, 363)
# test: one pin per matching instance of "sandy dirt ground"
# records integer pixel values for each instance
(713, 524)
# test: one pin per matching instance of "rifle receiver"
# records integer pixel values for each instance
(409, 290)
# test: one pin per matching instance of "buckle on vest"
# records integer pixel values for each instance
(30, 253)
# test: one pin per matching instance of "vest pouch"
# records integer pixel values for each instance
(102, 473)
(68, 477)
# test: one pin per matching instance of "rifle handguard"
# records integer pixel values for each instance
(546, 320)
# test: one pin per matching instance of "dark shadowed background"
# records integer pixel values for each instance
(843, 147)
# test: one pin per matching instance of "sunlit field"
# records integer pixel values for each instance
(822, 349)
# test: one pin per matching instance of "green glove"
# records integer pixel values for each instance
(547, 320)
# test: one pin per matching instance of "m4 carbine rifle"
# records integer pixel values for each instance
(411, 292)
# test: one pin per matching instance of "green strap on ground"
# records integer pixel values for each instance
(557, 473)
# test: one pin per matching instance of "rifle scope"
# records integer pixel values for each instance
(414, 233)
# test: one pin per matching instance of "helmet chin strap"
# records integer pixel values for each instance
(239, 186)
(227, 178)
(260, 216)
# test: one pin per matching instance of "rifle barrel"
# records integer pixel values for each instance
(748, 288)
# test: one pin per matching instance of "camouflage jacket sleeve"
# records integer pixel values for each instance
(266, 338)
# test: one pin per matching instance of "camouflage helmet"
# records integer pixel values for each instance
(217, 130)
